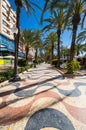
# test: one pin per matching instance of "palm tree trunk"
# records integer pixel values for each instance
(77, 53)
(72, 49)
(36, 53)
(17, 36)
(27, 51)
(52, 56)
(75, 22)
(58, 47)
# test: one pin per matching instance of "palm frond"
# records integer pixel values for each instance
(43, 11)
(81, 37)
(29, 7)
(47, 27)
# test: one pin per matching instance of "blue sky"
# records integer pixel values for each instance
(31, 23)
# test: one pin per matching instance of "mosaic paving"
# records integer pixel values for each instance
(44, 100)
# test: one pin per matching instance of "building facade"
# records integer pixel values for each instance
(7, 20)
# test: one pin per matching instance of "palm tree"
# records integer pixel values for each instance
(37, 43)
(65, 51)
(28, 39)
(18, 4)
(79, 48)
(51, 5)
(74, 12)
(51, 39)
(56, 21)
(47, 52)
(29, 7)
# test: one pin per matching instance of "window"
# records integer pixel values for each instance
(4, 9)
(4, 17)
(4, 23)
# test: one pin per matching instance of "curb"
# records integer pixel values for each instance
(68, 75)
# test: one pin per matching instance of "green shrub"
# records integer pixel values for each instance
(2, 79)
(19, 70)
(22, 62)
(26, 67)
(22, 69)
(6, 74)
(54, 62)
(49, 62)
(10, 73)
(35, 61)
(72, 66)
(30, 65)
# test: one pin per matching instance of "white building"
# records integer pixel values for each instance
(7, 19)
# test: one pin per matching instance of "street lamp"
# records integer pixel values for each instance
(14, 30)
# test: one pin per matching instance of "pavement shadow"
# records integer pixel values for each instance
(5, 104)
(27, 86)
(2, 94)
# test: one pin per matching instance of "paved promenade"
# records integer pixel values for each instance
(43, 100)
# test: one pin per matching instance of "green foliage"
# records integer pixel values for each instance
(22, 69)
(54, 62)
(10, 73)
(6, 75)
(72, 66)
(35, 61)
(2, 79)
(28, 67)
(22, 62)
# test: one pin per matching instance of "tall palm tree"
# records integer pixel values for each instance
(56, 21)
(29, 7)
(51, 39)
(47, 52)
(37, 43)
(74, 13)
(18, 4)
(28, 39)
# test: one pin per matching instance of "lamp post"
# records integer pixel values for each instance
(16, 31)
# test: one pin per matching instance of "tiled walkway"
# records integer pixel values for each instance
(43, 100)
